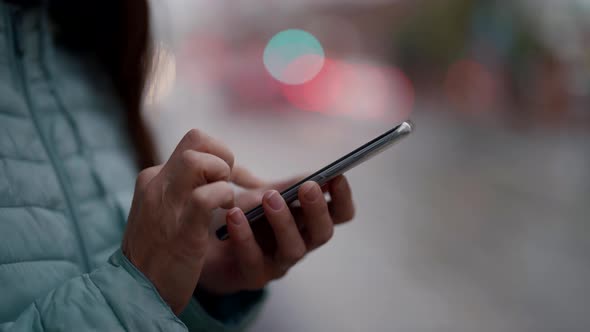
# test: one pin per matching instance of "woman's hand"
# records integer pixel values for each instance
(167, 233)
(249, 262)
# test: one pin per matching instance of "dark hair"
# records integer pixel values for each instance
(117, 33)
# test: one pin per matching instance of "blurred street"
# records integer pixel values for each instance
(462, 227)
(478, 221)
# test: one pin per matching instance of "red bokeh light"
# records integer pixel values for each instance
(303, 69)
(357, 90)
(320, 93)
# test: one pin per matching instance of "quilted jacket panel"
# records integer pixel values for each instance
(66, 178)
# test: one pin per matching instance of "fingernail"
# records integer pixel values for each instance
(312, 193)
(236, 216)
(274, 200)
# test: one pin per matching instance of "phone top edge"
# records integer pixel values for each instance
(407, 127)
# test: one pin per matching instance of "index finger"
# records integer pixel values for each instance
(197, 160)
(244, 178)
(199, 141)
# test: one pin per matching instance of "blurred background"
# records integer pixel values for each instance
(479, 221)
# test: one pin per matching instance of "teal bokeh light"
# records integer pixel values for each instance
(293, 56)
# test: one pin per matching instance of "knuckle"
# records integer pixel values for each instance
(193, 137)
(229, 193)
(200, 198)
(213, 168)
(225, 171)
(207, 165)
(224, 187)
(191, 159)
(231, 159)
(143, 178)
(221, 150)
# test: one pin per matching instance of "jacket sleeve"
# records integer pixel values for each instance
(118, 297)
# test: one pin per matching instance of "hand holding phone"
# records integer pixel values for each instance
(331, 171)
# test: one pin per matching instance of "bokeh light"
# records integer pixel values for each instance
(356, 90)
(320, 93)
(293, 56)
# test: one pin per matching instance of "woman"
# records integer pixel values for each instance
(72, 257)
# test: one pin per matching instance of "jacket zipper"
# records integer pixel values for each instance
(14, 17)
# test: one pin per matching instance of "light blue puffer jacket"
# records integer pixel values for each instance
(66, 178)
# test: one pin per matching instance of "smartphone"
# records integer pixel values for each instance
(331, 171)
